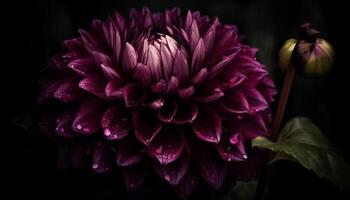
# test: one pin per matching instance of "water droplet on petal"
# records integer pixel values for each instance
(245, 156)
(79, 126)
(107, 132)
(167, 177)
(159, 150)
(94, 166)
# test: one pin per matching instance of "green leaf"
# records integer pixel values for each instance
(300, 140)
(242, 191)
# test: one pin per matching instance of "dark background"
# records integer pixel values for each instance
(36, 29)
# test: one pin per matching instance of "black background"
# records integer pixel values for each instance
(35, 30)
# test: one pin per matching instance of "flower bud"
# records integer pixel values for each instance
(285, 54)
(313, 55)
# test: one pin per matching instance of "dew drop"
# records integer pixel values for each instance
(160, 150)
(245, 156)
(107, 132)
(167, 177)
(94, 166)
(79, 127)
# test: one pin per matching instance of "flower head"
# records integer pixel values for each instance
(178, 93)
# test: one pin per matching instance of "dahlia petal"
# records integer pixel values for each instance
(195, 37)
(114, 89)
(235, 102)
(185, 93)
(214, 70)
(173, 172)
(255, 99)
(167, 60)
(207, 125)
(74, 44)
(90, 42)
(256, 125)
(159, 87)
(188, 21)
(129, 58)
(198, 57)
(188, 183)
(68, 91)
(212, 170)
(87, 120)
(132, 95)
(115, 123)
(167, 146)
(209, 39)
(200, 76)
(233, 80)
(173, 83)
(214, 95)
(128, 153)
(64, 124)
(101, 159)
(146, 125)
(167, 111)
(48, 92)
(171, 45)
(95, 85)
(83, 66)
(142, 74)
(186, 113)
(232, 148)
(134, 176)
(105, 63)
(181, 69)
(154, 62)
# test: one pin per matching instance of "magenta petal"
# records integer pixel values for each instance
(209, 38)
(167, 60)
(95, 85)
(159, 87)
(168, 111)
(68, 91)
(234, 102)
(142, 74)
(185, 93)
(129, 58)
(115, 122)
(83, 66)
(188, 183)
(232, 149)
(48, 91)
(87, 120)
(134, 176)
(195, 36)
(181, 69)
(198, 57)
(64, 124)
(186, 113)
(256, 125)
(154, 62)
(200, 76)
(146, 124)
(101, 158)
(173, 83)
(207, 125)
(213, 171)
(128, 153)
(114, 89)
(234, 80)
(167, 146)
(256, 100)
(132, 95)
(214, 70)
(173, 172)
(214, 95)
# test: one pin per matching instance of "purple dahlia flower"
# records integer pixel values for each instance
(180, 94)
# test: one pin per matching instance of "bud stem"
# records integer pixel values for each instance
(287, 84)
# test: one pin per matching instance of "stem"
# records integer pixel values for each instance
(287, 84)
